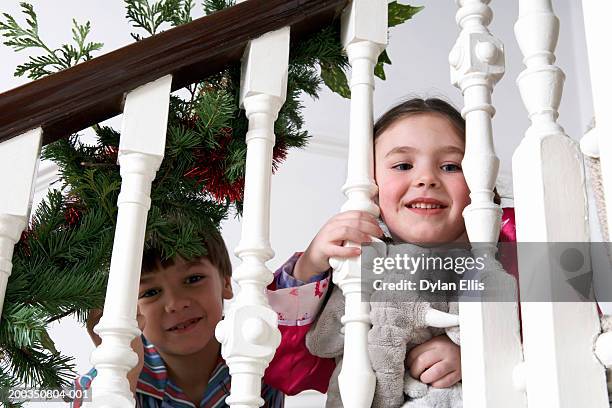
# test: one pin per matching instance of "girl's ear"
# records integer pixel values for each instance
(227, 292)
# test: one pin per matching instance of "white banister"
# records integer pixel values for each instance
(551, 207)
(364, 36)
(477, 64)
(249, 334)
(18, 166)
(141, 150)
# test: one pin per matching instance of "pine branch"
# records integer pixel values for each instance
(54, 60)
(22, 326)
(212, 6)
(152, 16)
(214, 111)
(35, 367)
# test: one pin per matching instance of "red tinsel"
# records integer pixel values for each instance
(23, 241)
(72, 216)
(279, 154)
(210, 167)
(73, 211)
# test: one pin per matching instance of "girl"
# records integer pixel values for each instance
(419, 146)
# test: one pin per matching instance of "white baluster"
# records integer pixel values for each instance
(141, 150)
(551, 207)
(597, 142)
(598, 31)
(18, 165)
(249, 332)
(477, 64)
(364, 36)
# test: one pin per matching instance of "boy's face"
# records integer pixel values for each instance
(182, 305)
(422, 191)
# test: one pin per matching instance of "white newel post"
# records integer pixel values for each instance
(141, 150)
(550, 200)
(490, 340)
(249, 334)
(18, 165)
(364, 36)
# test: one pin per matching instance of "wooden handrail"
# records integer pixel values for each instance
(76, 98)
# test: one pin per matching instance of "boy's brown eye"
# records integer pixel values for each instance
(194, 278)
(149, 293)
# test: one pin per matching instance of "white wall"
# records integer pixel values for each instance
(306, 189)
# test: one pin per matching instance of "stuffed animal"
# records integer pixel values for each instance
(398, 325)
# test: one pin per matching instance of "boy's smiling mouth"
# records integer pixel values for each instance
(184, 326)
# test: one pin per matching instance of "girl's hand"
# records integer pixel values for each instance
(436, 362)
(355, 226)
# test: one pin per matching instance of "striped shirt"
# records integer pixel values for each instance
(156, 390)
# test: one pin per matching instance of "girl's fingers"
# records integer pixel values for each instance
(343, 252)
(422, 362)
(345, 233)
(354, 216)
(365, 227)
(448, 380)
(436, 373)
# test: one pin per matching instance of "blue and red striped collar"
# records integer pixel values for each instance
(154, 381)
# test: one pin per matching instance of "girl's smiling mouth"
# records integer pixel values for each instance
(426, 206)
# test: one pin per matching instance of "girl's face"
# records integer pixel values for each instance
(421, 188)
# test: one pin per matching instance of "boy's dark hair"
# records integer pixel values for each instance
(216, 253)
(416, 106)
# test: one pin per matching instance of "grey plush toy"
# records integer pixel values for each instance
(398, 325)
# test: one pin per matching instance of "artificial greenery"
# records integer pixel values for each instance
(60, 265)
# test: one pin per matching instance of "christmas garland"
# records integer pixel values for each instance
(61, 263)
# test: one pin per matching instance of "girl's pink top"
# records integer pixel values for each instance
(293, 368)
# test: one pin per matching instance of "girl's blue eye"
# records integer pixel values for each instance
(194, 278)
(149, 293)
(451, 168)
(402, 166)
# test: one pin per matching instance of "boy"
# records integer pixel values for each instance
(179, 305)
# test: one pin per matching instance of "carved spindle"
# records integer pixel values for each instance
(141, 150)
(477, 64)
(550, 202)
(597, 142)
(18, 165)
(364, 36)
(598, 31)
(249, 332)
